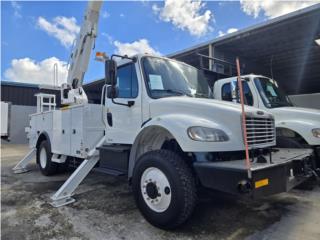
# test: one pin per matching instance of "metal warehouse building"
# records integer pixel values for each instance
(22, 103)
(284, 48)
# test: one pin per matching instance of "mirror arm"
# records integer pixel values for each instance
(133, 59)
(129, 104)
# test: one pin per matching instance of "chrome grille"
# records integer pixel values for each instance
(260, 131)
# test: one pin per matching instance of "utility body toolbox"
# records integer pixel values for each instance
(72, 130)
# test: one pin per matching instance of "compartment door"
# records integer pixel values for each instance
(77, 145)
(61, 132)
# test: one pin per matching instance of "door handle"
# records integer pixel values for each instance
(109, 119)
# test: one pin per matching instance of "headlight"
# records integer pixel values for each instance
(316, 132)
(205, 134)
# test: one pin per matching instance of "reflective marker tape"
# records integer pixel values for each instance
(261, 183)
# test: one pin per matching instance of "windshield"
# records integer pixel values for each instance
(167, 78)
(272, 96)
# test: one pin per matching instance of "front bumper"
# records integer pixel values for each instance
(289, 168)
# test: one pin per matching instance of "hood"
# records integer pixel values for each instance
(180, 113)
(177, 114)
(296, 113)
(199, 107)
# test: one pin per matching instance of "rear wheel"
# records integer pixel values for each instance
(164, 188)
(44, 155)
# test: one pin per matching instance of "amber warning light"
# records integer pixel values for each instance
(101, 56)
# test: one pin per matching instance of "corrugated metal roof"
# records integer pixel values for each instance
(19, 84)
(244, 31)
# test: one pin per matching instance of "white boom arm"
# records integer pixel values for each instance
(72, 92)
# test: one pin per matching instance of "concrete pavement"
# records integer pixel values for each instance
(105, 209)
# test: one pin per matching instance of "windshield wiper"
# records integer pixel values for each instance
(203, 95)
(280, 104)
(179, 93)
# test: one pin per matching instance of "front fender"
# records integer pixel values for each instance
(303, 128)
(156, 130)
(177, 125)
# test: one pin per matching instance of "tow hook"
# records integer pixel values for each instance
(244, 186)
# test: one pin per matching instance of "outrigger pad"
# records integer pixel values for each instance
(21, 167)
(20, 170)
(62, 202)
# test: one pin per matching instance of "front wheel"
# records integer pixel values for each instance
(164, 188)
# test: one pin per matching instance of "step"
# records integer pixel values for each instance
(109, 171)
(115, 148)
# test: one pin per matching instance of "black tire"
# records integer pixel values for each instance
(50, 168)
(182, 183)
(286, 142)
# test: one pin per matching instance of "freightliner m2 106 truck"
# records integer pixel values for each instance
(158, 125)
(296, 127)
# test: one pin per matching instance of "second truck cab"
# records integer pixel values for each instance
(296, 127)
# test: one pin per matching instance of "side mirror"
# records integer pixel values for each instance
(111, 72)
(234, 91)
(112, 92)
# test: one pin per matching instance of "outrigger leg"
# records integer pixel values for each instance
(63, 195)
(21, 166)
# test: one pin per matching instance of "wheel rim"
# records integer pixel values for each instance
(43, 157)
(155, 189)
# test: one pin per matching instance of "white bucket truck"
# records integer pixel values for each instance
(158, 125)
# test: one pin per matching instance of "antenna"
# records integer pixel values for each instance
(55, 75)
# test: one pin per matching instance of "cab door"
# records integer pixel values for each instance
(230, 92)
(123, 122)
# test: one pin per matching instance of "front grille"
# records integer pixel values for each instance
(260, 131)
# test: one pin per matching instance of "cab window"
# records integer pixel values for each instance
(127, 81)
(227, 93)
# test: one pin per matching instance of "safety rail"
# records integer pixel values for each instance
(45, 100)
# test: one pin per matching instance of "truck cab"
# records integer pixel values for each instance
(295, 126)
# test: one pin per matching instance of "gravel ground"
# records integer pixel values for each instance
(105, 210)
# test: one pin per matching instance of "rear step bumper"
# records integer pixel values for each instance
(289, 168)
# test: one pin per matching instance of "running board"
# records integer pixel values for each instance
(110, 171)
(21, 167)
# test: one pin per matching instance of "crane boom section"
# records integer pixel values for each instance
(81, 53)
(72, 92)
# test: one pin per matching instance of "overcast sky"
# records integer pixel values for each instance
(36, 35)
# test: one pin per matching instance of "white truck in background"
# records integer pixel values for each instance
(5, 120)
(158, 125)
(296, 127)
